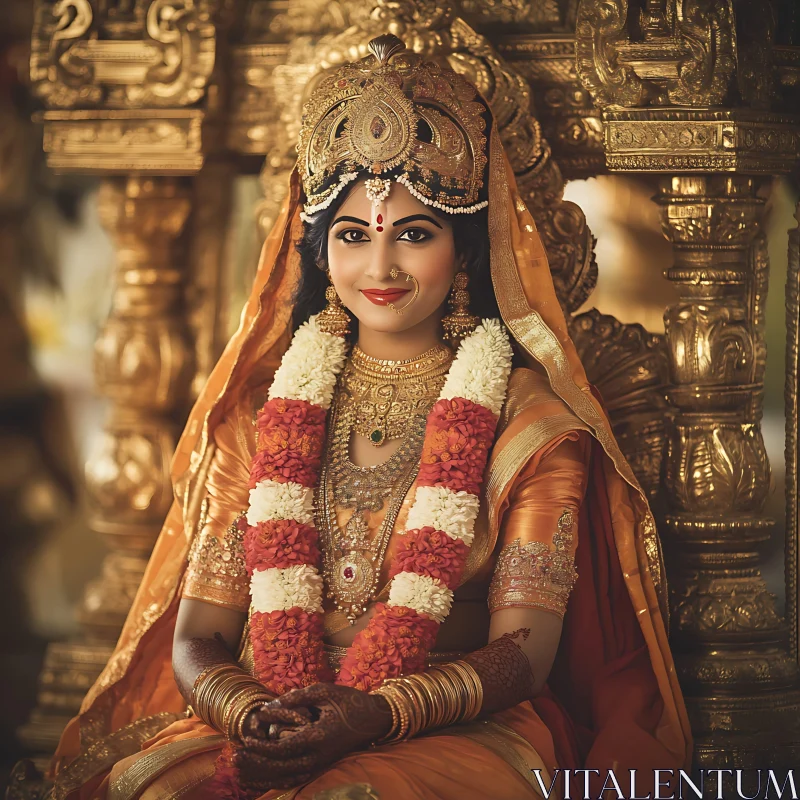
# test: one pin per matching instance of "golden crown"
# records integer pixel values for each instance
(395, 115)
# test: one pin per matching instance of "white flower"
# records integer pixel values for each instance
(273, 500)
(454, 513)
(309, 367)
(481, 367)
(282, 589)
(424, 594)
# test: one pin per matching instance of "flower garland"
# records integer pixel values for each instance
(281, 543)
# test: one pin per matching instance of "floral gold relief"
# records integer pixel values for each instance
(697, 93)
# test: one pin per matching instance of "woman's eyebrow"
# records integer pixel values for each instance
(351, 219)
(415, 217)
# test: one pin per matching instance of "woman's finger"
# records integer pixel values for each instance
(308, 695)
(267, 715)
(290, 744)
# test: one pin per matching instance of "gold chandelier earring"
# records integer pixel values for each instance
(334, 318)
(459, 322)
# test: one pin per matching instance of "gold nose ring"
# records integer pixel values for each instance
(394, 272)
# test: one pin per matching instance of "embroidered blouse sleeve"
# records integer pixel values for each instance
(216, 572)
(535, 566)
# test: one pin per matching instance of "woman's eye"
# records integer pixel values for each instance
(414, 235)
(352, 235)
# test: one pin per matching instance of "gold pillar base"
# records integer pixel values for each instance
(69, 670)
(747, 730)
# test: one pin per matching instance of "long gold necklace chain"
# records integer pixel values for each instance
(351, 558)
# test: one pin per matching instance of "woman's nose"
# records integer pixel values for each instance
(379, 264)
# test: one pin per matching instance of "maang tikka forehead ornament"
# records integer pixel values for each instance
(395, 116)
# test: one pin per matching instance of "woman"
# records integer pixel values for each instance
(414, 462)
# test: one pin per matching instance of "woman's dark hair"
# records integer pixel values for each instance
(471, 237)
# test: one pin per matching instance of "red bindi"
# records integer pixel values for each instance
(379, 228)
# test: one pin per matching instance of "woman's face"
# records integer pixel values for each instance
(366, 242)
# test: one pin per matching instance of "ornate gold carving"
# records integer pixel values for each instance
(570, 120)
(769, 666)
(143, 361)
(727, 632)
(715, 468)
(600, 27)
(732, 604)
(629, 367)
(86, 53)
(791, 389)
(534, 574)
(161, 141)
(683, 57)
(682, 140)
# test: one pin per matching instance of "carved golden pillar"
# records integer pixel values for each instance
(688, 91)
(125, 87)
(144, 365)
(730, 642)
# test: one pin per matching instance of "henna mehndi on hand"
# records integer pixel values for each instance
(193, 657)
(504, 670)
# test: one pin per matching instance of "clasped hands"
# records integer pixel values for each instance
(299, 734)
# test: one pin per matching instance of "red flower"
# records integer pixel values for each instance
(458, 437)
(280, 543)
(395, 642)
(430, 552)
(225, 783)
(287, 649)
(290, 440)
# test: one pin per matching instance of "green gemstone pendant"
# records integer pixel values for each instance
(376, 437)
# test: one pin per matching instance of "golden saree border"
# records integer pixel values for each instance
(514, 455)
(529, 329)
(102, 755)
(506, 743)
(128, 784)
(518, 258)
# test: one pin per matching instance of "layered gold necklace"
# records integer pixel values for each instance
(382, 400)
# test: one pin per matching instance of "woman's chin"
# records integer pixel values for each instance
(384, 320)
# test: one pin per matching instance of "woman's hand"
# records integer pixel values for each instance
(343, 720)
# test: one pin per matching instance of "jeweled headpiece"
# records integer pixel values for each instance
(397, 117)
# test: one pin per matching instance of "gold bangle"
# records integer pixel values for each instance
(221, 693)
(203, 689)
(235, 728)
(231, 711)
(444, 695)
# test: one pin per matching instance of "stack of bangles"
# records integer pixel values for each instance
(442, 695)
(223, 695)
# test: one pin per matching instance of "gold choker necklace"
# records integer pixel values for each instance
(384, 395)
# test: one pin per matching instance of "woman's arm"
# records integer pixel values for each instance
(534, 575)
(515, 664)
(205, 635)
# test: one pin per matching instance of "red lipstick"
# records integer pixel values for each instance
(382, 297)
